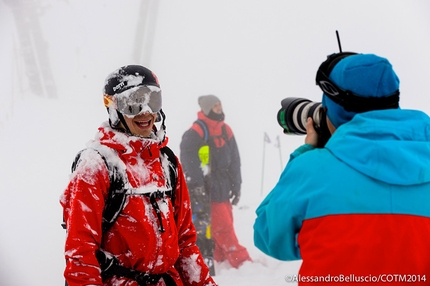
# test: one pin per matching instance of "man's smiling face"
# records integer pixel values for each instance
(141, 124)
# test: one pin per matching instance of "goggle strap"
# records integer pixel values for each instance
(353, 102)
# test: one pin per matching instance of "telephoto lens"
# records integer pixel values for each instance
(294, 113)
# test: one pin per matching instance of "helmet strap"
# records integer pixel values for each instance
(122, 120)
(163, 126)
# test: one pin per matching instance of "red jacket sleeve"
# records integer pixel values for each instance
(83, 203)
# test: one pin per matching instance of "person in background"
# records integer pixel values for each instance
(152, 240)
(219, 178)
(358, 209)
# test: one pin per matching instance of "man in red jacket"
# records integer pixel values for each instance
(220, 176)
(152, 240)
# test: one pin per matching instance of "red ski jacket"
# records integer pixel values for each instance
(134, 238)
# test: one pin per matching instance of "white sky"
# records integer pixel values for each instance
(250, 53)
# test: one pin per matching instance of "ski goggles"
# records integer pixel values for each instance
(136, 100)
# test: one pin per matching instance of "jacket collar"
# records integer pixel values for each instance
(128, 144)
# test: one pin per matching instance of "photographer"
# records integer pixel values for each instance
(359, 205)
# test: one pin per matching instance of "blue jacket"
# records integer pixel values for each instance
(360, 205)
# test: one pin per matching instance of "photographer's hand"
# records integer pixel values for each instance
(311, 135)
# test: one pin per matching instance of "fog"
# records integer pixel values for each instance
(55, 55)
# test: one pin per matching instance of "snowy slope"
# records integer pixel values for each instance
(250, 53)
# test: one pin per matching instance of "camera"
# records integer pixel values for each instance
(293, 115)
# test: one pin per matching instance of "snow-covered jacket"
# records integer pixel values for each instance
(360, 206)
(135, 238)
(224, 175)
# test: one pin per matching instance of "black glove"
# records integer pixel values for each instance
(234, 197)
